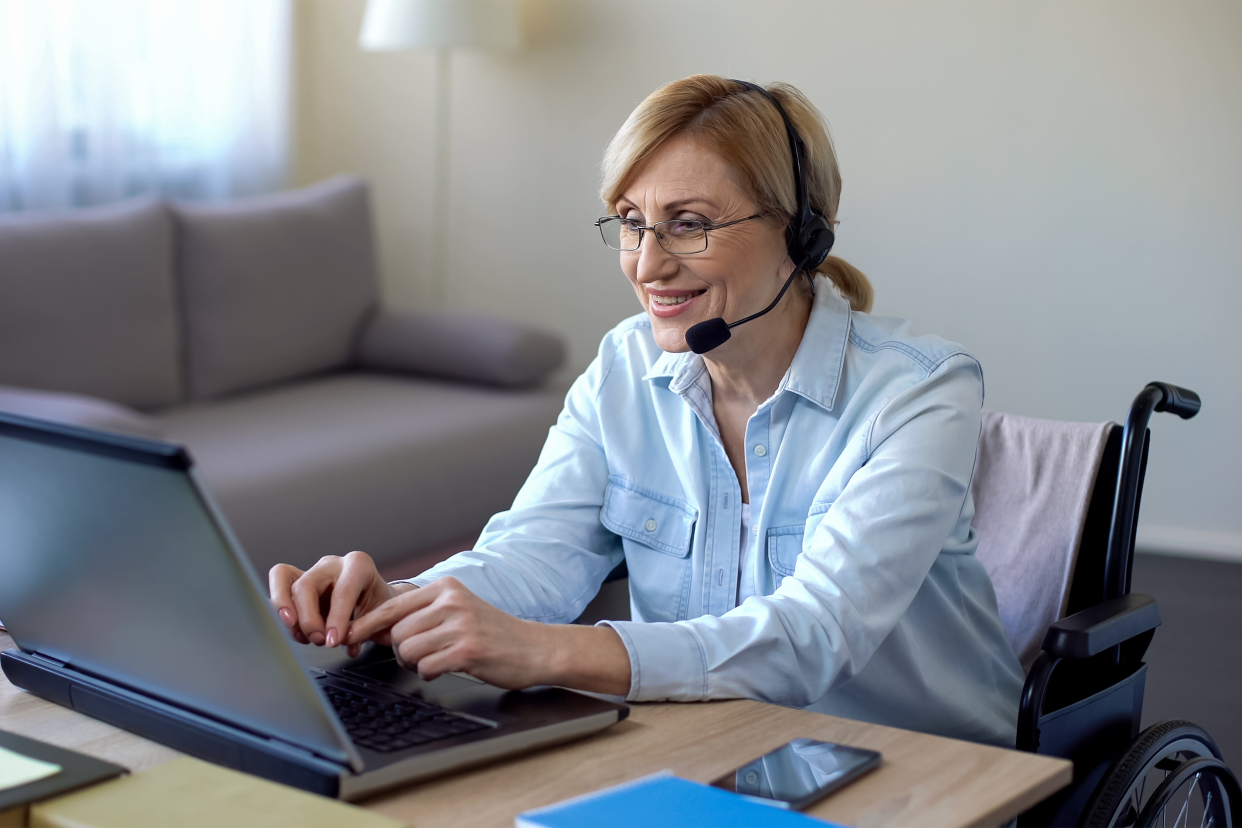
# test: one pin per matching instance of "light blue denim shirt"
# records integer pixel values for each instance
(869, 601)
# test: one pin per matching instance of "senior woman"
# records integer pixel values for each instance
(793, 506)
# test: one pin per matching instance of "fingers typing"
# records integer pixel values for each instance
(357, 573)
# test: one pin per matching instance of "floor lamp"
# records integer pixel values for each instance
(442, 25)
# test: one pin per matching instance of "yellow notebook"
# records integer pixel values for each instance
(187, 793)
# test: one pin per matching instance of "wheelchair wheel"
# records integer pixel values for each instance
(1201, 791)
(1171, 774)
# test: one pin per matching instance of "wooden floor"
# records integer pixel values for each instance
(1195, 661)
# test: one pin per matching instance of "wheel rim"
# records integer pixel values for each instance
(1201, 792)
(1155, 773)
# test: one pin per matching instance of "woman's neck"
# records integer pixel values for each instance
(747, 370)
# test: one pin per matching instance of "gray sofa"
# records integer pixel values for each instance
(251, 333)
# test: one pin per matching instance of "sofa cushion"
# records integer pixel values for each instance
(78, 410)
(475, 347)
(351, 461)
(87, 303)
(275, 287)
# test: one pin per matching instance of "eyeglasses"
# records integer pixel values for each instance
(675, 235)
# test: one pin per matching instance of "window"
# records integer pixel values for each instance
(102, 100)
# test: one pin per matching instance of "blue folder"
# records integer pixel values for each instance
(664, 801)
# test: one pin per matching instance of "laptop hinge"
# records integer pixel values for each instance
(56, 662)
(290, 747)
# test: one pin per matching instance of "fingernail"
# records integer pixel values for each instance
(286, 616)
(331, 642)
(316, 638)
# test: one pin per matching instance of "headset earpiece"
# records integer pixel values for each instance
(816, 241)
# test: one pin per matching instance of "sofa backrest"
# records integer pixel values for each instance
(87, 303)
(274, 287)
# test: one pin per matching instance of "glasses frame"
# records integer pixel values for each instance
(707, 228)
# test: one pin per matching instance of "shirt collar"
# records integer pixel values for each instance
(815, 372)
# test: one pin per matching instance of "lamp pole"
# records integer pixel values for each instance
(441, 174)
(393, 25)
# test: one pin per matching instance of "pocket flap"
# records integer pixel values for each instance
(784, 547)
(650, 518)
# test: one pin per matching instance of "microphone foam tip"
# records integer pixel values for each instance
(706, 335)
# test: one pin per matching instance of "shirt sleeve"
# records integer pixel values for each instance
(865, 562)
(545, 558)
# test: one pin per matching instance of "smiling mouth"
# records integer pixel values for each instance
(666, 301)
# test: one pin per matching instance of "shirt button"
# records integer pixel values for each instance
(754, 530)
(760, 450)
(651, 525)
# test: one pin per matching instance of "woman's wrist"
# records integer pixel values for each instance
(586, 658)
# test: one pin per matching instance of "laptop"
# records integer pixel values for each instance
(131, 602)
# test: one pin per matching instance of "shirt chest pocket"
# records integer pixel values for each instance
(786, 543)
(657, 532)
(648, 518)
(784, 547)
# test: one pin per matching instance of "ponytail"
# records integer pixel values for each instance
(850, 281)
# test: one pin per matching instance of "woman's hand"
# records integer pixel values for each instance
(319, 604)
(446, 628)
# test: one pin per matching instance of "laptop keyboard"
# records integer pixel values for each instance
(386, 726)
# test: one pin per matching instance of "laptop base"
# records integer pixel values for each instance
(535, 718)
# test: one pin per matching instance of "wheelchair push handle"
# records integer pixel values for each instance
(1180, 401)
(1156, 396)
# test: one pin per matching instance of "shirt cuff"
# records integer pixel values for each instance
(666, 661)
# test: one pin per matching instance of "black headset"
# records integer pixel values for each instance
(809, 236)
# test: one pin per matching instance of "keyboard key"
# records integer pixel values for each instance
(384, 725)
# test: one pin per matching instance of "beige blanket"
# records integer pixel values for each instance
(1032, 485)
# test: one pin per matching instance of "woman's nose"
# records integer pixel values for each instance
(654, 262)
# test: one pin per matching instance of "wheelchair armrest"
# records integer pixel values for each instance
(1096, 629)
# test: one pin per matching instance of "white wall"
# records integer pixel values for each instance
(1056, 185)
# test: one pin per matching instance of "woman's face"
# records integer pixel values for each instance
(743, 266)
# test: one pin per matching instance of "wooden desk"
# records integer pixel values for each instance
(924, 780)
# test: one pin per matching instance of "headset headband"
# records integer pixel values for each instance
(810, 237)
(796, 151)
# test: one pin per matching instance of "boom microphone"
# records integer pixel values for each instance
(712, 333)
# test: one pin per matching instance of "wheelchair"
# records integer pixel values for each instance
(1083, 696)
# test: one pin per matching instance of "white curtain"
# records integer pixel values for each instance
(101, 99)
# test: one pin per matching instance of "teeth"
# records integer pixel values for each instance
(669, 300)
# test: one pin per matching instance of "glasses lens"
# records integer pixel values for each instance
(682, 236)
(620, 234)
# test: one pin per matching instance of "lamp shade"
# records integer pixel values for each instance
(392, 25)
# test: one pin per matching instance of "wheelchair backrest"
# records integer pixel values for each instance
(1034, 489)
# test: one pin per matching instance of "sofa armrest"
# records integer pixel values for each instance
(78, 410)
(1096, 629)
(474, 347)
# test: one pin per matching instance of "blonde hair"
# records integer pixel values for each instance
(748, 133)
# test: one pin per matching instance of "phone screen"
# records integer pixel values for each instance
(799, 772)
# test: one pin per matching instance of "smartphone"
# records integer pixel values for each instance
(798, 773)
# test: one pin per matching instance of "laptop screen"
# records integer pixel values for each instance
(114, 562)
